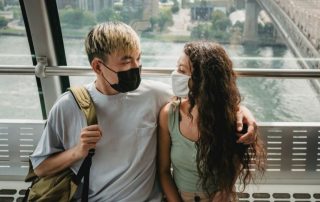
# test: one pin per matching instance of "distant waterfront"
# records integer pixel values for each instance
(269, 99)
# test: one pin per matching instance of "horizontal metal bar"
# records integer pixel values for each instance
(233, 58)
(286, 73)
(17, 70)
(158, 71)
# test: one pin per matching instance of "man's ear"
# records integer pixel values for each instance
(96, 65)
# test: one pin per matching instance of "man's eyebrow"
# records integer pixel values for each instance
(128, 57)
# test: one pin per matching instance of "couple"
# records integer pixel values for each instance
(205, 118)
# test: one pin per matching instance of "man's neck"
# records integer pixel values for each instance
(104, 88)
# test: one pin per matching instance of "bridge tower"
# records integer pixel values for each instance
(250, 32)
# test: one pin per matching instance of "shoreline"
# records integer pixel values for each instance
(162, 38)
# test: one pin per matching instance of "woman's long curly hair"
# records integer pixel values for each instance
(213, 89)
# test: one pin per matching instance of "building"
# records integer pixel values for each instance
(203, 10)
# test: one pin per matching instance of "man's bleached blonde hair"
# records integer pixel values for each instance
(111, 37)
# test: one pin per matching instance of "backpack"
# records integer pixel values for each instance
(62, 186)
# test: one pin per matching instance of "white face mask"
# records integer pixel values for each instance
(180, 84)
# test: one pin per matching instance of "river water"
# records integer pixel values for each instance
(287, 100)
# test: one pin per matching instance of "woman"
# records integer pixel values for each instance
(196, 132)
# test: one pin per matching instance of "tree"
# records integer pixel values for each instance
(1, 6)
(16, 12)
(3, 22)
(131, 13)
(153, 21)
(222, 24)
(118, 7)
(108, 14)
(231, 9)
(88, 19)
(220, 21)
(239, 25)
(201, 31)
(175, 8)
(164, 19)
(269, 28)
(217, 15)
(76, 18)
(220, 35)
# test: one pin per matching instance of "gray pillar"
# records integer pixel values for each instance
(240, 4)
(43, 45)
(250, 32)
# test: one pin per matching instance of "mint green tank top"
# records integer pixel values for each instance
(183, 155)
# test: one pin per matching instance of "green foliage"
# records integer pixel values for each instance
(12, 32)
(201, 31)
(231, 9)
(76, 18)
(3, 22)
(217, 28)
(185, 3)
(117, 7)
(175, 8)
(268, 28)
(266, 31)
(153, 21)
(217, 15)
(239, 25)
(16, 12)
(222, 24)
(108, 14)
(236, 31)
(221, 36)
(126, 15)
(165, 37)
(130, 14)
(164, 19)
(220, 21)
(206, 31)
(1, 6)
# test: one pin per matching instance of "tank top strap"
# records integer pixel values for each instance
(173, 121)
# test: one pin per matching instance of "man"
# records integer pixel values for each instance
(123, 167)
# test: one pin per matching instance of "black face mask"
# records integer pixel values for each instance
(128, 80)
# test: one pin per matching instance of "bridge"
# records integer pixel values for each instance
(298, 22)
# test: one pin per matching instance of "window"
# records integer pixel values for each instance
(19, 94)
(250, 37)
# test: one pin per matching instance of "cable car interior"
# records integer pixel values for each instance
(274, 46)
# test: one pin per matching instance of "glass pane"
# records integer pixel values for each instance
(283, 100)
(246, 30)
(19, 94)
(278, 100)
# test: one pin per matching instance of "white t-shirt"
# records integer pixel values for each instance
(124, 165)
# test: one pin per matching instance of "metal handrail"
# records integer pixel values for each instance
(154, 71)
